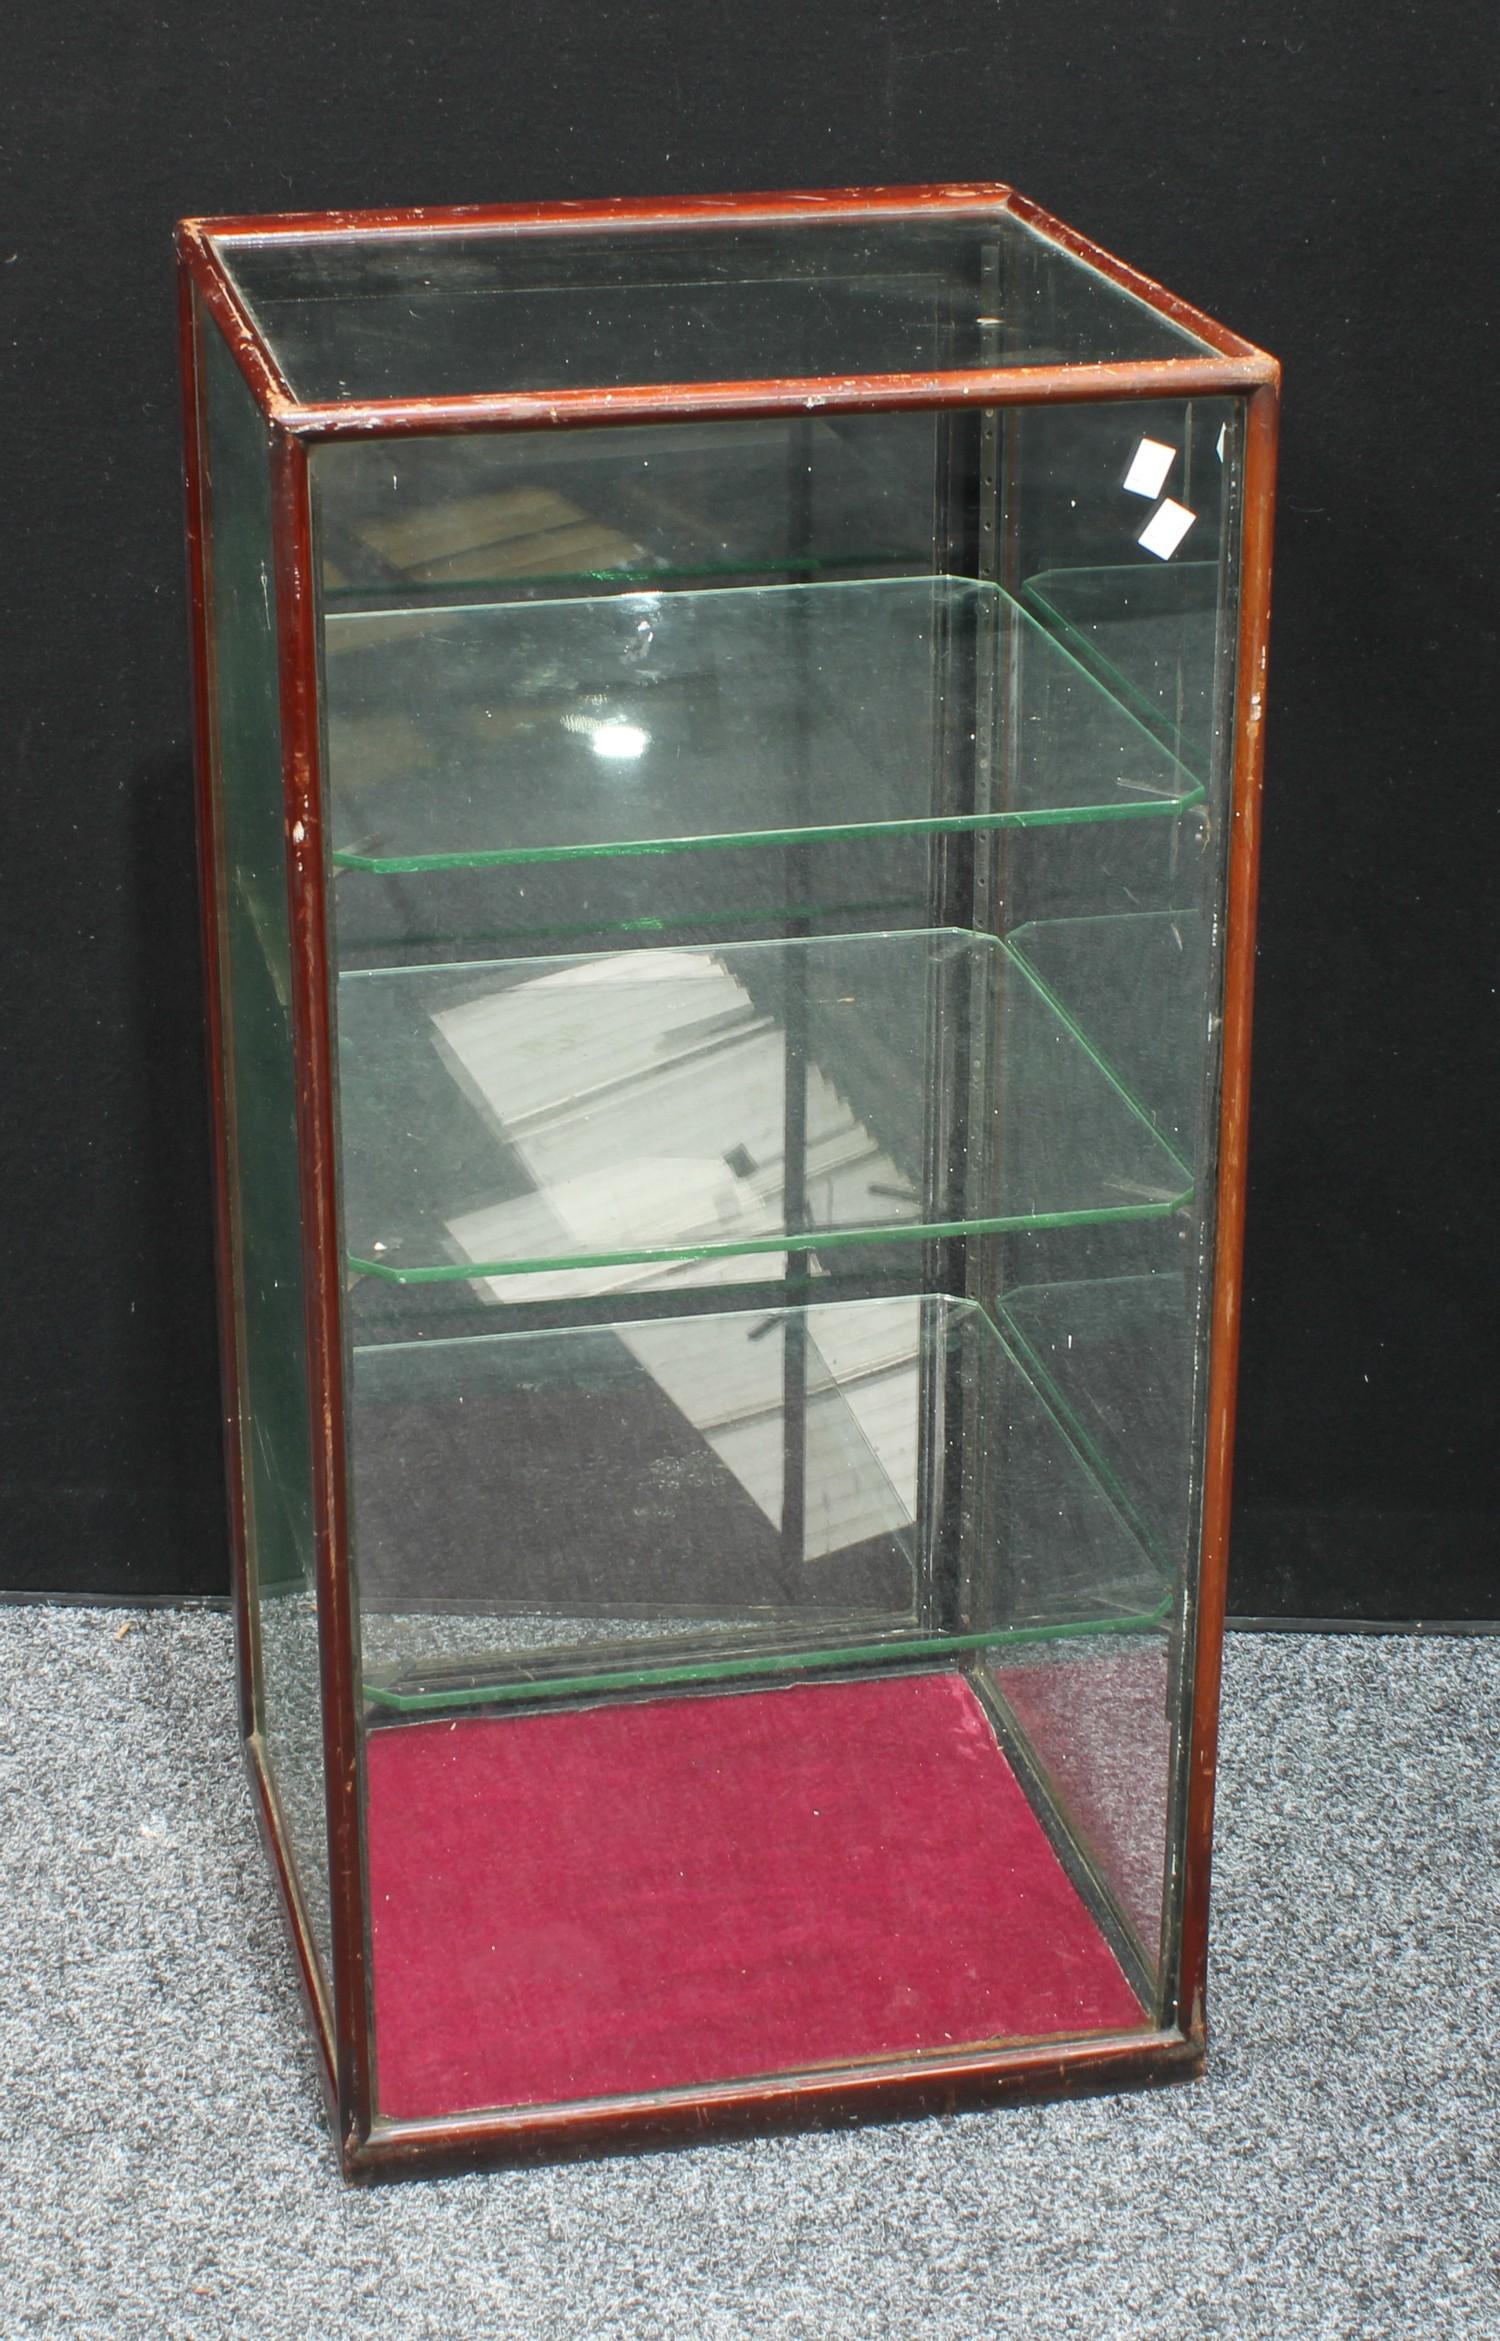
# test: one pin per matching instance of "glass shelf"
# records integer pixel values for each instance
(650, 723)
(1135, 987)
(521, 1120)
(1149, 632)
(799, 1533)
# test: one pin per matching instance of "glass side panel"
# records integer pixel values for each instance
(1133, 985)
(779, 873)
(1124, 526)
(524, 1118)
(644, 722)
(1092, 1718)
(773, 1505)
(453, 310)
(273, 1433)
(1147, 628)
(1115, 1356)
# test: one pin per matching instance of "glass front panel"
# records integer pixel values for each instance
(271, 1437)
(777, 875)
(1124, 526)
(397, 314)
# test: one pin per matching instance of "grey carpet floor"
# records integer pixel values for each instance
(163, 2171)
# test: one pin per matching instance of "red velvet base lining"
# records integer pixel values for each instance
(604, 1900)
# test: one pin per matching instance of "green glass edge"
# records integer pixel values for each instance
(644, 580)
(830, 1240)
(816, 833)
(762, 1663)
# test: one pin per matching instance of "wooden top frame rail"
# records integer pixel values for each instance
(1234, 365)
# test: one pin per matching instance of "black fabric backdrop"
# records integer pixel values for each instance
(1321, 178)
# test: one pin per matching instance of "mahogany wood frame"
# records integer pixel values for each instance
(340, 2013)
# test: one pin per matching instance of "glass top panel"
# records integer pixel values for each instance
(396, 313)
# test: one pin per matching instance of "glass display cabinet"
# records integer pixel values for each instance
(729, 743)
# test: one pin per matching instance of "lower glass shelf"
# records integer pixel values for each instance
(785, 1496)
(628, 1112)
